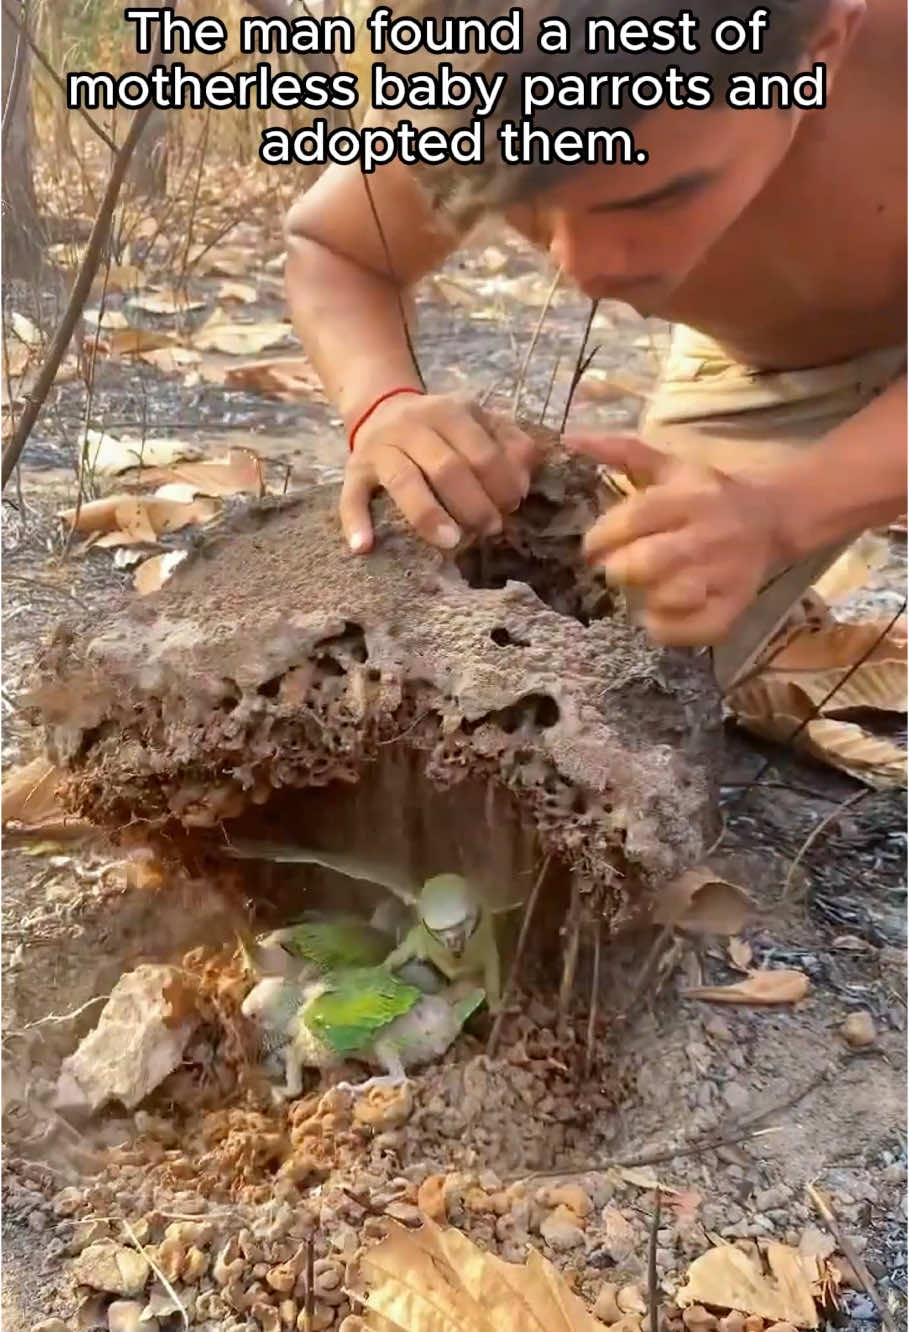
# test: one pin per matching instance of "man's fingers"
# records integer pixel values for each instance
(497, 474)
(356, 492)
(699, 628)
(645, 464)
(412, 493)
(645, 514)
(650, 560)
(453, 481)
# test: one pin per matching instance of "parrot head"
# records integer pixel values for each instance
(450, 911)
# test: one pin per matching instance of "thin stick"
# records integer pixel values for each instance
(549, 387)
(580, 365)
(647, 972)
(594, 997)
(493, 1041)
(310, 1304)
(855, 1258)
(525, 364)
(653, 1292)
(570, 963)
(149, 1258)
(815, 834)
(78, 296)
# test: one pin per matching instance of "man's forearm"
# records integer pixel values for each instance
(350, 324)
(855, 478)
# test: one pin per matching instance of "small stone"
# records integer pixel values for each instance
(561, 1231)
(754, 1323)
(37, 1221)
(405, 1213)
(431, 1197)
(697, 1319)
(170, 1257)
(718, 1028)
(630, 1300)
(816, 1243)
(736, 1096)
(767, 1200)
(572, 1196)
(863, 1308)
(732, 1322)
(858, 1031)
(50, 1325)
(195, 1265)
(665, 1259)
(126, 1316)
(384, 1107)
(606, 1308)
(111, 1267)
(68, 1201)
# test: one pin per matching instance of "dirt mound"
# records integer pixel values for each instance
(274, 661)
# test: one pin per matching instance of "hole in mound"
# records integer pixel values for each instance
(551, 567)
(502, 638)
(533, 712)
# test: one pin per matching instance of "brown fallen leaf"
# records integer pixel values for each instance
(740, 954)
(153, 573)
(137, 520)
(760, 987)
(220, 334)
(29, 793)
(243, 292)
(728, 1278)
(25, 330)
(165, 302)
(136, 341)
(285, 378)
(171, 360)
(435, 1280)
(238, 473)
(700, 902)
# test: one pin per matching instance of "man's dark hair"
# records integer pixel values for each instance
(465, 192)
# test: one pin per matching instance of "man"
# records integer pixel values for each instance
(775, 242)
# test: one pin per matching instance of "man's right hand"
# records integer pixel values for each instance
(451, 469)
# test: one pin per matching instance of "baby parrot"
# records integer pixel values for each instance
(455, 934)
(361, 1013)
(455, 931)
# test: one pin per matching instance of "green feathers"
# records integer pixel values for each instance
(355, 1005)
(332, 942)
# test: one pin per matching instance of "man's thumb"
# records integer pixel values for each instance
(626, 452)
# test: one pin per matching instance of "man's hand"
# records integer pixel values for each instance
(697, 543)
(448, 466)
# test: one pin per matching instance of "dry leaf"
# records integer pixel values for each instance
(170, 360)
(16, 357)
(244, 292)
(165, 302)
(218, 334)
(153, 573)
(845, 745)
(853, 568)
(740, 954)
(107, 456)
(702, 903)
(25, 330)
(128, 519)
(761, 987)
(285, 378)
(29, 794)
(137, 341)
(239, 473)
(106, 320)
(435, 1280)
(727, 1278)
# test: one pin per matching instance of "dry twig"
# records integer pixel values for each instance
(525, 364)
(653, 1289)
(815, 834)
(493, 1041)
(846, 1247)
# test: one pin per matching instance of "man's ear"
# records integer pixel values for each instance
(835, 34)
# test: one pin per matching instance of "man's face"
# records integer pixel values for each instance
(634, 233)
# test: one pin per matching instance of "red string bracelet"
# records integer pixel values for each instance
(383, 397)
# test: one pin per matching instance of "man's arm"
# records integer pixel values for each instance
(700, 543)
(447, 466)
(346, 286)
(853, 479)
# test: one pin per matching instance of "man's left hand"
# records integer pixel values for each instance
(697, 543)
